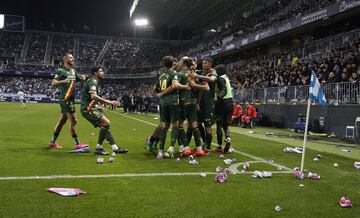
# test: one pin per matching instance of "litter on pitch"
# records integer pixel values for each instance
(246, 166)
(298, 174)
(345, 202)
(222, 175)
(357, 165)
(345, 149)
(277, 208)
(226, 170)
(259, 174)
(313, 176)
(99, 160)
(81, 150)
(218, 169)
(221, 178)
(193, 162)
(66, 191)
(297, 150)
(230, 161)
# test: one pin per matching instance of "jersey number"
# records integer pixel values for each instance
(163, 85)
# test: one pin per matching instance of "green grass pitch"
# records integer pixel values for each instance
(24, 135)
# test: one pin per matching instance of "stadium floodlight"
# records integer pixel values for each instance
(141, 22)
(1, 21)
(133, 7)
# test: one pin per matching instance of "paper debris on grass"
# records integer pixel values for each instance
(297, 150)
(66, 191)
(81, 150)
(357, 165)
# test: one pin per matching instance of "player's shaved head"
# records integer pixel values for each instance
(68, 60)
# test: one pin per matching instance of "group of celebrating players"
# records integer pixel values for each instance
(200, 97)
(65, 80)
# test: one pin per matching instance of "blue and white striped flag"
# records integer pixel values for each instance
(315, 91)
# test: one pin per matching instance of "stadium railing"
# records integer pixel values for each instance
(328, 44)
(335, 93)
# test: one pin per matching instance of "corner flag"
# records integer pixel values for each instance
(315, 91)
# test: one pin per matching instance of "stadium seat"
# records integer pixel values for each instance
(350, 131)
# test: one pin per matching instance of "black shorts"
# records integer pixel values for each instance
(206, 114)
(188, 112)
(169, 113)
(223, 113)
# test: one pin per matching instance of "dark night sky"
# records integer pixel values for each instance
(108, 17)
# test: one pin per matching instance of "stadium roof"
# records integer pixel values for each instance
(185, 13)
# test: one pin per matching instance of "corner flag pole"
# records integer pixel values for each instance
(305, 134)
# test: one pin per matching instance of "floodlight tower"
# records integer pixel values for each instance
(141, 22)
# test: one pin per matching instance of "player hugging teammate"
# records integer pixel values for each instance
(187, 95)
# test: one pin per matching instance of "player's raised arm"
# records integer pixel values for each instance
(97, 98)
(208, 79)
(204, 86)
(167, 91)
(177, 86)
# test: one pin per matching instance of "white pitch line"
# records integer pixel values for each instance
(143, 121)
(100, 176)
(236, 151)
(263, 160)
(118, 175)
(234, 168)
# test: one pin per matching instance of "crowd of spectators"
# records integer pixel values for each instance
(241, 25)
(121, 55)
(286, 69)
(11, 44)
(114, 89)
(128, 56)
(280, 69)
(28, 85)
(61, 44)
(137, 55)
(37, 48)
(89, 50)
